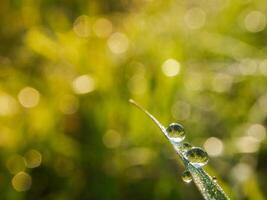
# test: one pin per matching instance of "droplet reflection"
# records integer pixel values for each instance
(176, 132)
(186, 176)
(197, 156)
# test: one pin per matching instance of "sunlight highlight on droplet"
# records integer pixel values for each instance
(118, 43)
(255, 21)
(29, 97)
(171, 67)
(22, 182)
(33, 158)
(102, 27)
(83, 84)
(214, 146)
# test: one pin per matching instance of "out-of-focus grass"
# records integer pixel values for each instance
(67, 69)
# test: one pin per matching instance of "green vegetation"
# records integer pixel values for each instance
(68, 68)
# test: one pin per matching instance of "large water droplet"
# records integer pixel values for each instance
(186, 176)
(176, 132)
(197, 156)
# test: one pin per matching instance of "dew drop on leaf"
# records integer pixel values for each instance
(186, 176)
(186, 146)
(176, 132)
(197, 156)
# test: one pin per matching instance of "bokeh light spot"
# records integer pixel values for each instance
(214, 146)
(118, 43)
(195, 18)
(257, 131)
(255, 21)
(22, 182)
(263, 67)
(83, 84)
(112, 139)
(247, 144)
(81, 26)
(33, 158)
(171, 67)
(8, 105)
(241, 172)
(15, 164)
(102, 27)
(29, 97)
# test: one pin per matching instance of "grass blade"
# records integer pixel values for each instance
(209, 188)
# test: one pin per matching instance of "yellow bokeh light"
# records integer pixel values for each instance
(83, 84)
(213, 146)
(241, 172)
(195, 18)
(263, 67)
(112, 139)
(15, 164)
(81, 26)
(171, 67)
(8, 105)
(248, 66)
(22, 182)
(33, 158)
(29, 97)
(118, 43)
(247, 144)
(257, 131)
(102, 27)
(255, 21)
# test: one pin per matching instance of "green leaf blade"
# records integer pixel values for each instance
(209, 188)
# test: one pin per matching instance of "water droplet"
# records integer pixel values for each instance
(197, 156)
(186, 176)
(186, 146)
(176, 132)
(214, 179)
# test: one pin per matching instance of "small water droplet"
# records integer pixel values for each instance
(186, 176)
(186, 146)
(214, 179)
(197, 156)
(176, 132)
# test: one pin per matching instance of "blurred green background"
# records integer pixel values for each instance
(68, 68)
